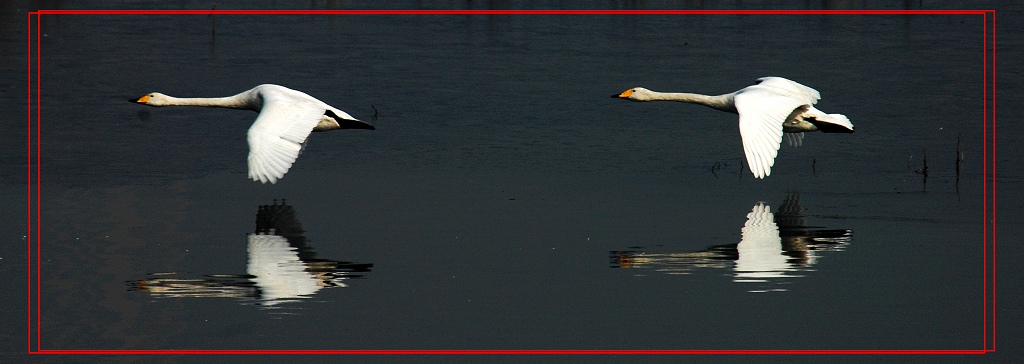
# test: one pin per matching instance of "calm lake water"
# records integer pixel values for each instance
(505, 201)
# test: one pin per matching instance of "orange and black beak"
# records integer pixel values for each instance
(141, 100)
(624, 94)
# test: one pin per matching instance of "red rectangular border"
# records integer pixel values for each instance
(34, 201)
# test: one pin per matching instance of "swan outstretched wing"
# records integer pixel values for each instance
(762, 113)
(790, 88)
(276, 136)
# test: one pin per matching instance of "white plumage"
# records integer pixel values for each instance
(276, 137)
(766, 110)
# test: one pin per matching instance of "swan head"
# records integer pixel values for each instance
(635, 94)
(153, 99)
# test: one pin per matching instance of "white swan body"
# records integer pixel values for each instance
(767, 109)
(276, 137)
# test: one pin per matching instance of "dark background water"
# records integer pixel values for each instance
(504, 201)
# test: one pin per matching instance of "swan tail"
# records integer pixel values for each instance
(344, 121)
(835, 123)
(354, 124)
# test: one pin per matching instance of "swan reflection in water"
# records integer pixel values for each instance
(281, 267)
(772, 248)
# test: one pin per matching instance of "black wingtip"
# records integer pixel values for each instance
(833, 128)
(355, 124)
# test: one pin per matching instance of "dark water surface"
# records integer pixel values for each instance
(505, 201)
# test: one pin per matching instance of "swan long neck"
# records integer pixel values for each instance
(240, 101)
(720, 102)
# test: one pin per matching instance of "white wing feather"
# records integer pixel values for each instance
(276, 136)
(790, 88)
(762, 112)
(794, 139)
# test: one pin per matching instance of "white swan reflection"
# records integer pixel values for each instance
(772, 249)
(281, 267)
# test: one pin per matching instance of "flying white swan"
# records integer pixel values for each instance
(769, 108)
(276, 137)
